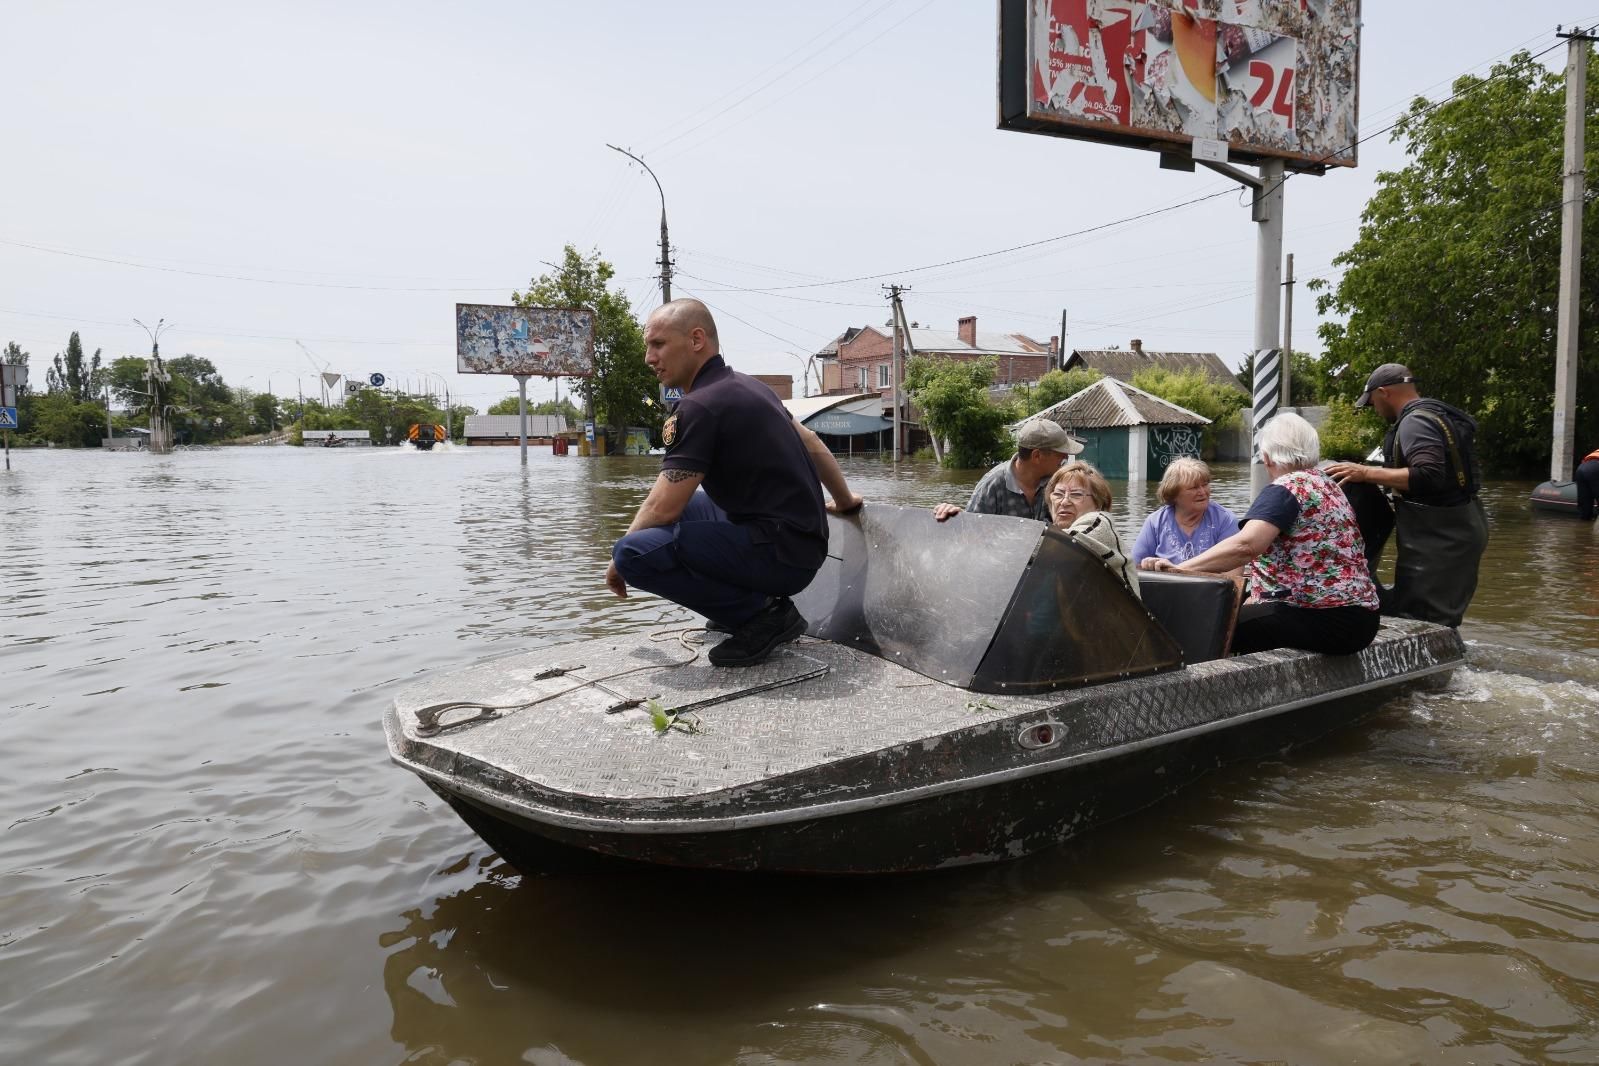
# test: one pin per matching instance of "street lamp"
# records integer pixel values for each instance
(666, 245)
(155, 376)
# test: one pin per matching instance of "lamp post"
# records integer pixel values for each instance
(666, 244)
(155, 376)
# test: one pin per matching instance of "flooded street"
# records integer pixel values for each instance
(207, 856)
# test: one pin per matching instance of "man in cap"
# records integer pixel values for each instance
(757, 533)
(1015, 486)
(1431, 468)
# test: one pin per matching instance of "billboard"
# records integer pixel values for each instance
(1258, 78)
(532, 341)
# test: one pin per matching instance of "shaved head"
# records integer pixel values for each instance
(687, 315)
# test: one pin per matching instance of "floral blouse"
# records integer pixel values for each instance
(1318, 558)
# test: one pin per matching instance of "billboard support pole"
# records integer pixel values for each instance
(1268, 309)
(521, 411)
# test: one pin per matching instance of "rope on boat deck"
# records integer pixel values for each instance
(427, 718)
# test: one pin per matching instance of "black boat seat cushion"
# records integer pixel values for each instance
(1198, 611)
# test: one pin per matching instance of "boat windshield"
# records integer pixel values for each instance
(986, 602)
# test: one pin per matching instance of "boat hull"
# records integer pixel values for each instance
(912, 781)
(1555, 497)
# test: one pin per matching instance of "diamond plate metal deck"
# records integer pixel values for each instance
(830, 724)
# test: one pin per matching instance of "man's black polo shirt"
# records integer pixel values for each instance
(735, 431)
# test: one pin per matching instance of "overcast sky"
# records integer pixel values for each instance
(343, 174)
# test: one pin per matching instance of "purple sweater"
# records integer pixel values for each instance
(1162, 535)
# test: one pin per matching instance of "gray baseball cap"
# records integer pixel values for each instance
(1387, 374)
(1048, 435)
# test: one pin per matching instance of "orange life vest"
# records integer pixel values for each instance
(1591, 455)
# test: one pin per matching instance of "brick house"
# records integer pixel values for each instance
(861, 359)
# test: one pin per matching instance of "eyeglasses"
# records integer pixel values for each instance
(1072, 494)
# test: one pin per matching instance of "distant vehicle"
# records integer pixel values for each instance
(331, 441)
(424, 436)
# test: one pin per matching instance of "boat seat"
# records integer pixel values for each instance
(1198, 611)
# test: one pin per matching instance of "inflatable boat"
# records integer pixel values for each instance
(967, 692)
(1555, 497)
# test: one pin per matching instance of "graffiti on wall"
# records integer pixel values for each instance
(1172, 442)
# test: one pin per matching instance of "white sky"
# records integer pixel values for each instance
(358, 168)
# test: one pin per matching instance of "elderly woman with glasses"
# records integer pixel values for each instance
(1189, 523)
(1309, 586)
(1079, 505)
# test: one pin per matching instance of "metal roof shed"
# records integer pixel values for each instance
(1130, 433)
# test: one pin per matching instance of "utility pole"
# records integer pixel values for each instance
(1566, 316)
(666, 243)
(1288, 334)
(1060, 356)
(1266, 209)
(894, 292)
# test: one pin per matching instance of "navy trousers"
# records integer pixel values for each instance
(707, 563)
(1587, 478)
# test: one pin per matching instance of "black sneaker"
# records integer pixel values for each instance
(777, 623)
(713, 626)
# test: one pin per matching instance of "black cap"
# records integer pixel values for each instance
(1387, 374)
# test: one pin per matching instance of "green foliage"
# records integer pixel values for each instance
(1455, 271)
(1193, 390)
(1054, 387)
(1307, 380)
(71, 376)
(623, 390)
(953, 397)
(56, 418)
(1348, 433)
(126, 378)
(563, 406)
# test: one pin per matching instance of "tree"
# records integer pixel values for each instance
(1193, 390)
(623, 390)
(1455, 271)
(79, 382)
(508, 406)
(953, 397)
(126, 378)
(59, 419)
(1307, 380)
(1056, 386)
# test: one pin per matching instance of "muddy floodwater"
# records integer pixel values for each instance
(206, 856)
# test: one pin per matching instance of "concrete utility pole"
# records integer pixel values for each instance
(1268, 301)
(1267, 211)
(666, 243)
(1288, 335)
(1566, 317)
(1060, 356)
(901, 337)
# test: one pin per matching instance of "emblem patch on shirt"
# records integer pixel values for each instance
(669, 431)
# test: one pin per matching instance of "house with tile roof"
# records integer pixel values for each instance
(1122, 364)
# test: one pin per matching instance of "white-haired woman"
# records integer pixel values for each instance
(1309, 586)
(1189, 523)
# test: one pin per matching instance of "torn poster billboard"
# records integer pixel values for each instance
(525, 341)
(1265, 78)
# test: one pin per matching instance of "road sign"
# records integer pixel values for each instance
(377, 380)
(671, 393)
(8, 418)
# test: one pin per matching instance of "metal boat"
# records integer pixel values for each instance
(967, 692)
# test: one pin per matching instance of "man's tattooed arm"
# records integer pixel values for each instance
(679, 475)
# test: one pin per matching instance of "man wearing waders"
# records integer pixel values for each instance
(1430, 467)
